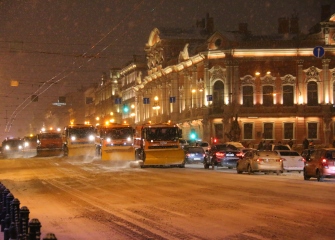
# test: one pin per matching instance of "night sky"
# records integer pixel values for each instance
(52, 47)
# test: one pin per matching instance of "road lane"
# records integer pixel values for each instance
(91, 199)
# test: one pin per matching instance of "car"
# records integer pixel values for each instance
(204, 145)
(12, 148)
(321, 164)
(244, 150)
(194, 154)
(183, 143)
(224, 155)
(292, 160)
(260, 161)
(306, 153)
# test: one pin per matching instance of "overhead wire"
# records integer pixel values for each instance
(55, 79)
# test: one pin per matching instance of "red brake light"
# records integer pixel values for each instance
(240, 154)
(220, 154)
(324, 162)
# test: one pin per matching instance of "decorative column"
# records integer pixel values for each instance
(300, 83)
(327, 94)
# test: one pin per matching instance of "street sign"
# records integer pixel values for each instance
(318, 52)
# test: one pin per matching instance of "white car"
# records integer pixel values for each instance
(292, 160)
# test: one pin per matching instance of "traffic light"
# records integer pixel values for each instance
(125, 108)
(193, 135)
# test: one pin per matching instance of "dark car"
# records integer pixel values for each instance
(224, 155)
(194, 154)
(321, 164)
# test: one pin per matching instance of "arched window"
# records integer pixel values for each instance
(218, 94)
(288, 96)
(312, 94)
(248, 96)
(267, 95)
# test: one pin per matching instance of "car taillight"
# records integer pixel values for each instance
(280, 159)
(240, 154)
(259, 160)
(302, 159)
(324, 163)
(187, 154)
(220, 154)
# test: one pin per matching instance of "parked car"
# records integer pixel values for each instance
(194, 154)
(224, 155)
(306, 153)
(260, 161)
(292, 160)
(321, 164)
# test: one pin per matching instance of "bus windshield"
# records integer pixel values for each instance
(162, 133)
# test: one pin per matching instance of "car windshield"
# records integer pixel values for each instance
(195, 150)
(281, 147)
(289, 153)
(267, 154)
(203, 144)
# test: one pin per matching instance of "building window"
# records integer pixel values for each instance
(268, 131)
(312, 129)
(267, 96)
(312, 94)
(288, 131)
(247, 131)
(248, 96)
(218, 95)
(288, 96)
(218, 131)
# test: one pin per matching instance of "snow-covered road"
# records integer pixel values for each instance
(89, 199)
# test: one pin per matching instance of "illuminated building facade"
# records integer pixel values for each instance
(237, 86)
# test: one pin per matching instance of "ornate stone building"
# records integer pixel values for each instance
(237, 86)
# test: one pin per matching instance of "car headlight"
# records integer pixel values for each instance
(91, 138)
(20, 147)
(7, 147)
(26, 144)
(128, 139)
(108, 140)
(73, 138)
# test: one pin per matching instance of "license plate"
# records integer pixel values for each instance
(196, 158)
(230, 155)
